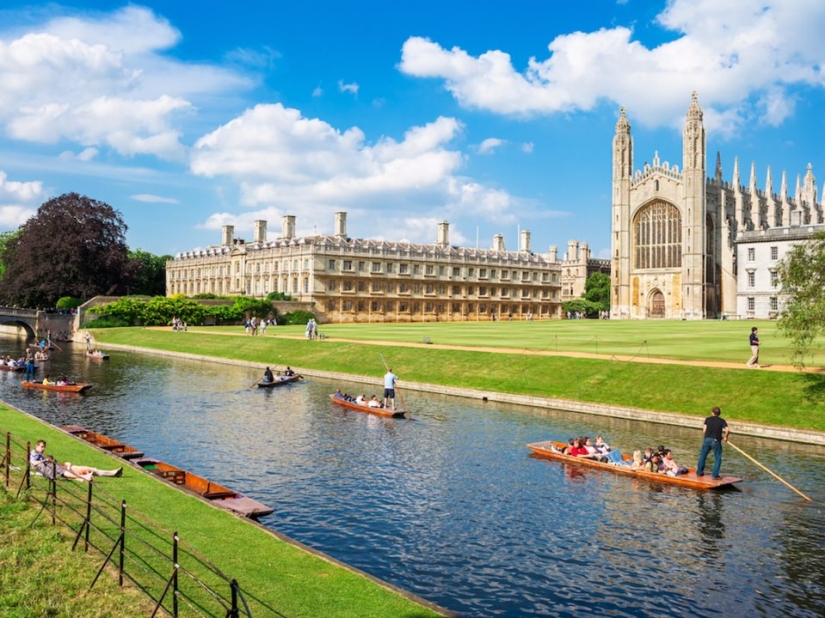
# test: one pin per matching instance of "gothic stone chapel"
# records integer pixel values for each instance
(674, 231)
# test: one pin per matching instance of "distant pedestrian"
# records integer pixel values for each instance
(714, 431)
(754, 343)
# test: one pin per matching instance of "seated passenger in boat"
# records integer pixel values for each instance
(339, 395)
(268, 377)
(637, 462)
(652, 464)
(288, 371)
(671, 468)
(62, 381)
(47, 380)
(593, 451)
(361, 400)
(374, 403)
(601, 446)
(579, 449)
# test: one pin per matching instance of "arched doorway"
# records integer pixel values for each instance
(656, 308)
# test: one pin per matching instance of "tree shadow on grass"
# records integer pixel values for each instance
(814, 389)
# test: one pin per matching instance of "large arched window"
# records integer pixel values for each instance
(657, 236)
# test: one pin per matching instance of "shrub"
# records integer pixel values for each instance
(68, 302)
(278, 296)
(297, 317)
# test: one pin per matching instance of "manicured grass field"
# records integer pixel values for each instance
(712, 340)
(287, 579)
(775, 398)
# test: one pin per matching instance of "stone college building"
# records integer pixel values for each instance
(361, 280)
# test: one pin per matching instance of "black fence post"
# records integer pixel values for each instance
(7, 459)
(122, 543)
(53, 491)
(233, 611)
(88, 516)
(28, 466)
(175, 540)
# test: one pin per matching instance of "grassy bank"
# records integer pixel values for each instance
(774, 398)
(709, 340)
(282, 577)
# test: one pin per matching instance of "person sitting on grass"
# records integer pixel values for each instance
(48, 467)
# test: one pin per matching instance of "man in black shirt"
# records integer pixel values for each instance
(714, 430)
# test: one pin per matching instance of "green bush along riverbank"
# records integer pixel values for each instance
(789, 399)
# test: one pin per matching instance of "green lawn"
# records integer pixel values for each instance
(775, 398)
(285, 579)
(714, 340)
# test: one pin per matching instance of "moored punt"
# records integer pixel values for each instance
(338, 401)
(545, 449)
(78, 387)
(220, 495)
(104, 442)
(279, 381)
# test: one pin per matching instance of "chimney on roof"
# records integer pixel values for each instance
(227, 235)
(524, 241)
(498, 243)
(259, 234)
(554, 253)
(443, 233)
(341, 224)
(288, 227)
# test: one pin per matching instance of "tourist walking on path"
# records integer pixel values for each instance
(754, 342)
(389, 389)
(714, 430)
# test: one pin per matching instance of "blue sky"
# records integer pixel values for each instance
(496, 117)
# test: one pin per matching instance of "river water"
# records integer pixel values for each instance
(451, 506)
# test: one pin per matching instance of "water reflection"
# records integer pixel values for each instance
(451, 505)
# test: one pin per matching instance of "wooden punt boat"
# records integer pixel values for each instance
(220, 495)
(545, 449)
(97, 355)
(104, 442)
(279, 381)
(378, 411)
(79, 387)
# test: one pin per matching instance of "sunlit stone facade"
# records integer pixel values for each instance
(357, 280)
(674, 232)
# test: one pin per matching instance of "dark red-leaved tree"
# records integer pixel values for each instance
(73, 246)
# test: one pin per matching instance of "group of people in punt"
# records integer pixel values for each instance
(269, 377)
(656, 461)
(10, 362)
(361, 400)
(62, 381)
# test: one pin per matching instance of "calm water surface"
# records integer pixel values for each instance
(451, 506)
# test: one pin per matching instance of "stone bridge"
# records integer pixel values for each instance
(33, 323)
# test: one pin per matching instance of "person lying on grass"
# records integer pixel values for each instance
(48, 467)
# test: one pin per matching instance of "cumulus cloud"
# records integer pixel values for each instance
(286, 163)
(744, 59)
(489, 145)
(317, 92)
(102, 80)
(527, 147)
(18, 200)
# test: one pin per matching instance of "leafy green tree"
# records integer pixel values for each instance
(68, 302)
(5, 238)
(73, 246)
(802, 273)
(597, 290)
(147, 273)
(584, 306)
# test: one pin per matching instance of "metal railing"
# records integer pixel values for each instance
(179, 579)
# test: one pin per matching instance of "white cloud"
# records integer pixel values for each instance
(489, 145)
(102, 80)
(527, 147)
(317, 92)
(154, 199)
(18, 201)
(352, 88)
(743, 58)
